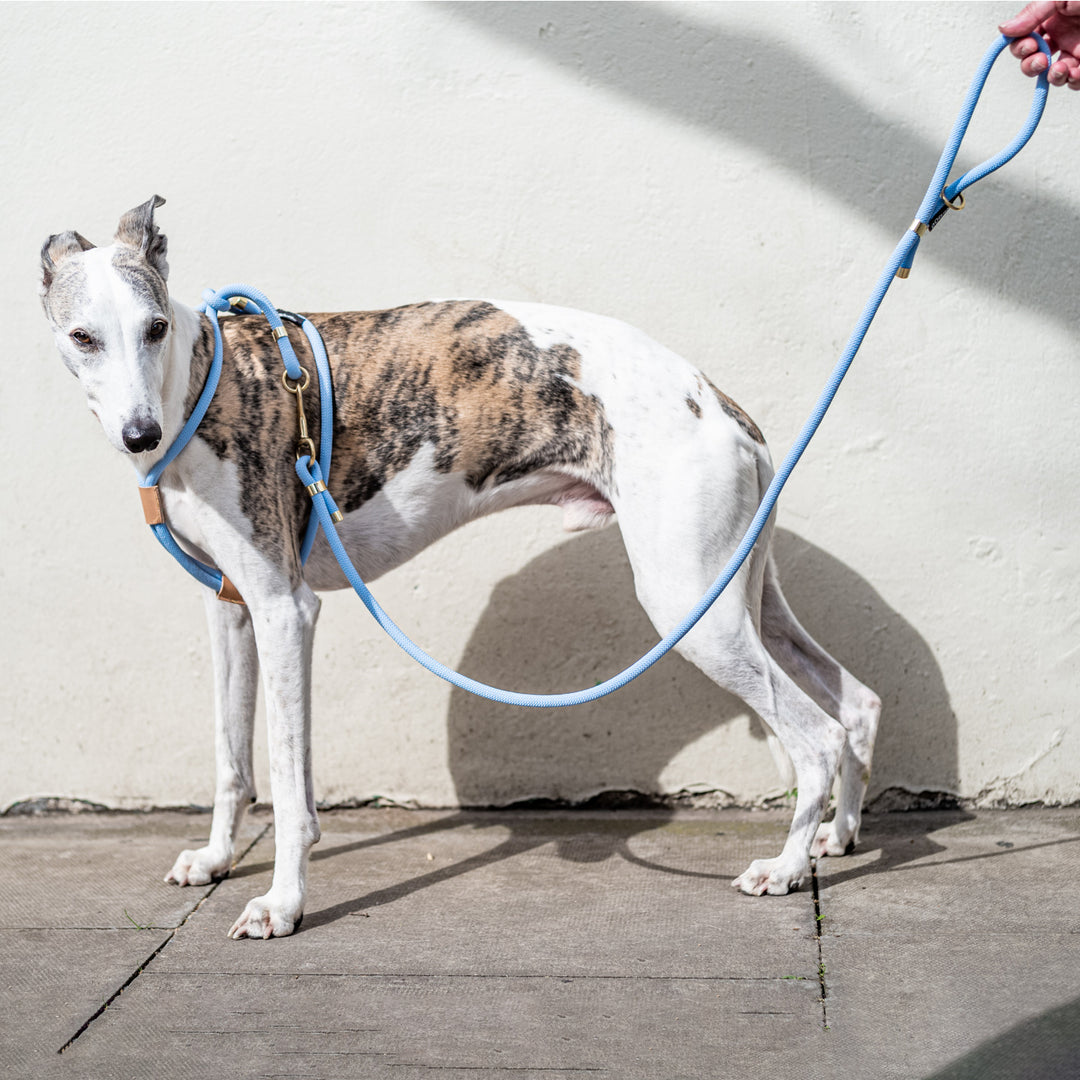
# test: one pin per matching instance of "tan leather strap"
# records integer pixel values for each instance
(151, 505)
(228, 592)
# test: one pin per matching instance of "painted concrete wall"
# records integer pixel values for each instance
(710, 173)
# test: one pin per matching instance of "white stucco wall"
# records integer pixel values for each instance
(730, 178)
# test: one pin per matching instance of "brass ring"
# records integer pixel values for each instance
(298, 386)
(957, 205)
(309, 452)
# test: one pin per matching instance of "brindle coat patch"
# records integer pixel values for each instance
(462, 376)
(466, 378)
(252, 423)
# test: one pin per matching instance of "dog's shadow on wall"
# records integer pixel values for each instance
(569, 619)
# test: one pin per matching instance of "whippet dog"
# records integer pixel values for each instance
(445, 411)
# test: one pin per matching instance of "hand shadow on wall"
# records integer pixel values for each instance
(662, 58)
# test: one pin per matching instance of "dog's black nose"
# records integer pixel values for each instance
(141, 435)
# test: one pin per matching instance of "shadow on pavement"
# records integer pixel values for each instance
(1047, 1047)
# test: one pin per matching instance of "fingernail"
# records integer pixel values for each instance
(1038, 64)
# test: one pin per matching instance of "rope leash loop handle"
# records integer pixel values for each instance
(940, 197)
(1038, 103)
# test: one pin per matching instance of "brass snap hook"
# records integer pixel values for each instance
(304, 446)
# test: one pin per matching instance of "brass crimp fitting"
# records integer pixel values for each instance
(920, 229)
(336, 516)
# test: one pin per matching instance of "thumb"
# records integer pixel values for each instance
(1028, 19)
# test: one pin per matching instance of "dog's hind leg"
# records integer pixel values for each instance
(236, 677)
(840, 694)
(284, 624)
(674, 552)
(813, 740)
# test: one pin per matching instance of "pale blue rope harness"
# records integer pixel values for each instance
(241, 298)
(313, 473)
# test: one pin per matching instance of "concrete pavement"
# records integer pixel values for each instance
(546, 944)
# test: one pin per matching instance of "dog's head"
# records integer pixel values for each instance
(110, 313)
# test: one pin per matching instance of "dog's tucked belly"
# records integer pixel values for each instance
(421, 504)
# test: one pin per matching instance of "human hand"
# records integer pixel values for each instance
(1058, 21)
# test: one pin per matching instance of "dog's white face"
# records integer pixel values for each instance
(110, 314)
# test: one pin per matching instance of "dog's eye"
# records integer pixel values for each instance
(158, 329)
(81, 337)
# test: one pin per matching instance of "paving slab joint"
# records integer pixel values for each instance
(819, 918)
(153, 956)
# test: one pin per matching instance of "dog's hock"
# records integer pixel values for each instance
(137, 230)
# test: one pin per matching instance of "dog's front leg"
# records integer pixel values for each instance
(236, 677)
(285, 631)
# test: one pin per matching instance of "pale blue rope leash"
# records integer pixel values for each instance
(938, 199)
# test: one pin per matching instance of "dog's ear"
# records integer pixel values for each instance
(137, 230)
(55, 250)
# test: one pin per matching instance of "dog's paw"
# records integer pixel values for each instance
(776, 877)
(198, 867)
(264, 917)
(830, 841)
